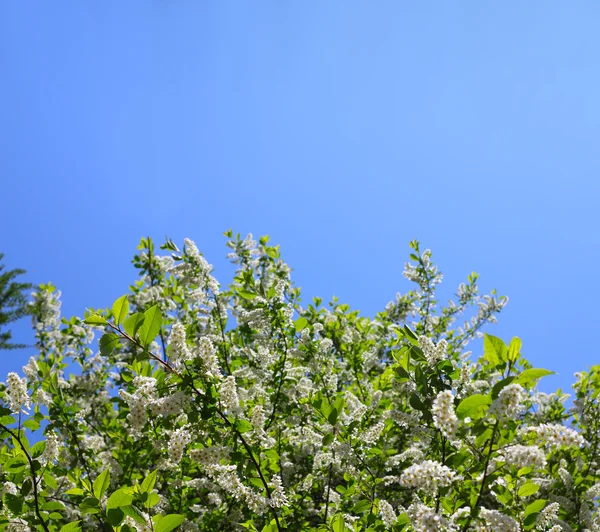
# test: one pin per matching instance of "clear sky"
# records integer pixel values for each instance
(342, 129)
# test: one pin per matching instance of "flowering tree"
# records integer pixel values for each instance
(238, 408)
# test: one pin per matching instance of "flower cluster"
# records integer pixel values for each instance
(428, 476)
(509, 402)
(444, 417)
(18, 397)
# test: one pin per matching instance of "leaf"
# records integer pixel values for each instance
(169, 522)
(534, 507)
(149, 482)
(151, 326)
(108, 343)
(14, 503)
(362, 506)
(119, 498)
(241, 425)
(115, 516)
(327, 439)
(75, 491)
(133, 323)
(514, 349)
(494, 350)
(527, 489)
(91, 505)
(31, 424)
(95, 319)
(120, 309)
(337, 523)
(71, 527)
(246, 294)
(533, 374)
(473, 406)
(300, 324)
(101, 483)
(500, 385)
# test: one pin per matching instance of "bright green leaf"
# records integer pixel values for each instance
(169, 522)
(119, 498)
(101, 483)
(527, 489)
(494, 350)
(133, 323)
(120, 309)
(151, 326)
(108, 343)
(149, 482)
(514, 349)
(473, 406)
(95, 319)
(532, 375)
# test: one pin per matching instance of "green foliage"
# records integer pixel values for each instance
(244, 408)
(13, 303)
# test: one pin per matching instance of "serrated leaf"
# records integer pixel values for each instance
(133, 323)
(151, 325)
(95, 319)
(101, 483)
(473, 406)
(115, 516)
(120, 309)
(169, 522)
(528, 489)
(337, 523)
(108, 343)
(119, 498)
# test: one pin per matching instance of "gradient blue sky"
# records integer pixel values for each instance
(342, 129)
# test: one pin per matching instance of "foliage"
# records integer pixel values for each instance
(13, 303)
(240, 409)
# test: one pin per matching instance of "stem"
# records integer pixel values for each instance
(485, 469)
(328, 490)
(33, 477)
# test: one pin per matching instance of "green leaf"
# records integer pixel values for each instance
(494, 350)
(119, 498)
(300, 323)
(71, 527)
(327, 439)
(120, 309)
(337, 523)
(245, 294)
(474, 406)
(14, 503)
(7, 420)
(75, 491)
(241, 425)
(527, 489)
(151, 326)
(37, 449)
(115, 516)
(101, 483)
(169, 522)
(95, 319)
(133, 323)
(514, 349)
(31, 424)
(91, 505)
(532, 375)
(534, 507)
(333, 415)
(149, 482)
(362, 506)
(108, 343)
(500, 385)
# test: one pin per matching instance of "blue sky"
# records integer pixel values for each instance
(342, 129)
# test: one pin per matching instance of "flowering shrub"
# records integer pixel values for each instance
(211, 408)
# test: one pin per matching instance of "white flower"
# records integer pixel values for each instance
(52, 449)
(178, 349)
(444, 418)
(555, 436)
(496, 521)
(387, 514)
(524, 456)
(427, 476)
(509, 403)
(229, 396)
(179, 440)
(433, 353)
(17, 393)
